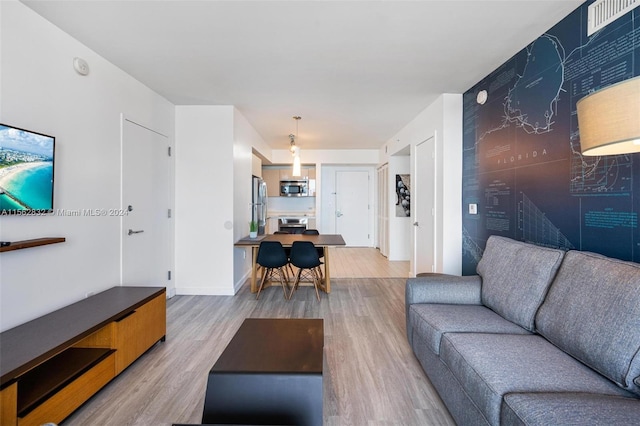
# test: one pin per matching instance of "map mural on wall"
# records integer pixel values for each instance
(522, 163)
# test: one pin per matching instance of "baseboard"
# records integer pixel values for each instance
(204, 291)
(238, 284)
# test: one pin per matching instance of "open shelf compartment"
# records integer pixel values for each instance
(43, 381)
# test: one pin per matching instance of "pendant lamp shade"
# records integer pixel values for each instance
(609, 119)
(296, 166)
(295, 151)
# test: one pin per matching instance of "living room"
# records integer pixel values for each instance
(60, 105)
(41, 91)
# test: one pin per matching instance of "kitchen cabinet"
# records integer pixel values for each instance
(285, 174)
(305, 173)
(272, 175)
(272, 179)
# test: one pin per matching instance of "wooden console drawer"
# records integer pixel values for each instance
(9, 405)
(68, 399)
(139, 330)
(53, 364)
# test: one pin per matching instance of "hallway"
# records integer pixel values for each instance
(364, 262)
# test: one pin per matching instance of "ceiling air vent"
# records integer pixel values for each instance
(603, 12)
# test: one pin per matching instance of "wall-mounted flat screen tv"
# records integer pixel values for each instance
(26, 171)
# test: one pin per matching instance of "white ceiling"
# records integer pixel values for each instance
(356, 71)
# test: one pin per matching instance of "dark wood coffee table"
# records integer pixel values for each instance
(269, 374)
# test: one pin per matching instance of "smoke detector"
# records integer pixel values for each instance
(482, 96)
(81, 66)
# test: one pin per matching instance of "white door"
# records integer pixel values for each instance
(383, 210)
(423, 203)
(145, 201)
(352, 207)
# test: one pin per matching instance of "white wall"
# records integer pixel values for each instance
(444, 119)
(204, 215)
(40, 91)
(245, 140)
(400, 228)
(214, 160)
(450, 176)
(305, 205)
(256, 165)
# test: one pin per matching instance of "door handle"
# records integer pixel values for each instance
(416, 224)
(338, 214)
(131, 232)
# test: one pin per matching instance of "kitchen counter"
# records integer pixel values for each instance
(286, 216)
(281, 214)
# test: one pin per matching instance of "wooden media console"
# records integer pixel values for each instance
(50, 366)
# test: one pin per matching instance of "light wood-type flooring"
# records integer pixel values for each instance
(371, 377)
(349, 262)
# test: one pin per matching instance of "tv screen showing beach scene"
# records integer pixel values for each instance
(26, 171)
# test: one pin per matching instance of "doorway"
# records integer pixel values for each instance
(145, 216)
(424, 200)
(347, 203)
(352, 207)
(383, 209)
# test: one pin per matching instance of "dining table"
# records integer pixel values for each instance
(325, 241)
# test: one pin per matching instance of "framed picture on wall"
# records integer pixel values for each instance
(403, 195)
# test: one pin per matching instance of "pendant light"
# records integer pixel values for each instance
(609, 119)
(295, 151)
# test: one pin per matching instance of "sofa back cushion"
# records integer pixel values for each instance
(516, 277)
(592, 312)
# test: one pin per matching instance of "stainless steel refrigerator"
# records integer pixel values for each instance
(259, 201)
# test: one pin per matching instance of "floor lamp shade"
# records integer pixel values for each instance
(609, 119)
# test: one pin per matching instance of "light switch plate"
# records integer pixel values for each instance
(473, 209)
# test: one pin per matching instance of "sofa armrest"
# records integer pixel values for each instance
(442, 289)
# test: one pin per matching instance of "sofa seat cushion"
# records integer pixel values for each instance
(488, 366)
(434, 320)
(544, 409)
(516, 277)
(592, 311)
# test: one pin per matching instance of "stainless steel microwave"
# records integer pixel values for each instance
(294, 188)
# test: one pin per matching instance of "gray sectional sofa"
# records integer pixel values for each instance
(538, 337)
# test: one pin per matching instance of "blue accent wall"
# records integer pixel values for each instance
(522, 164)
